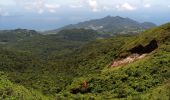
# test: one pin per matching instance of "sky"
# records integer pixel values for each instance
(52, 14)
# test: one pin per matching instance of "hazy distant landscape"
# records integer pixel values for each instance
(84, 50)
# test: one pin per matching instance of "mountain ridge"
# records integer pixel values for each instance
(110, 24)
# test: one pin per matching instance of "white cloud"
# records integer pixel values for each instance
(75, 6)
(3, 13)
(168, 6)
(93, 5)
(106, 8)
(98, 5)
(147, 5)
(40, 11)
(52, 11)
(52, 7)
(41, 6)
(125, 7)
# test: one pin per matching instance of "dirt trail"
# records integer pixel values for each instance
(127, 60)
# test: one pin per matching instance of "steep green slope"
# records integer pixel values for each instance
(143, 79)
(132, 81)
(10, 91)
(160, 34)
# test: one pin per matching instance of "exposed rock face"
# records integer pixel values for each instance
(138, 52)
(127, 60)
(145, 49)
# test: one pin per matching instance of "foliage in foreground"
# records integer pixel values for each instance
(10, 91)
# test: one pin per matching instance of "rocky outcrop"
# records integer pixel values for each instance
(145, 49)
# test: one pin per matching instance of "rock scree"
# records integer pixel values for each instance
(127, 60)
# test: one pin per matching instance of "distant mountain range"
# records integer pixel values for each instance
(109, 24)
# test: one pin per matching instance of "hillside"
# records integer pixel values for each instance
(11, 91)
(147, 78)
(51, 75)
(9, 36)
(53, 44)
(85, 72)
(109, 24)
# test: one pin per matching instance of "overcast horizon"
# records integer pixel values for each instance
(52, 14)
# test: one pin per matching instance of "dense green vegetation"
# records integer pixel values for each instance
(49, 45)
(68, 66)
(131, 81)
(9, 36)
(56, 72)
(11, 91)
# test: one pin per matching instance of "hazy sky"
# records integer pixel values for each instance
(51, 14)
